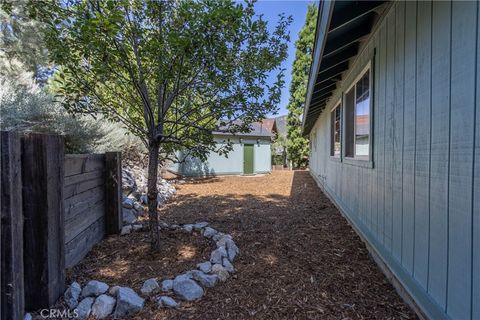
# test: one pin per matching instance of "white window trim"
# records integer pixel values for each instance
(368, 158)
(332, 130)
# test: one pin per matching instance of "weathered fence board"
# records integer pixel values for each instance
(113, 192)
(83, 201)
(81, 163)
(78, 247)
(77, 178)
(12, 284)
(82, 221)
(82, 186)
(42, 180)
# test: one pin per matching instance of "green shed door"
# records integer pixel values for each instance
(248, 159)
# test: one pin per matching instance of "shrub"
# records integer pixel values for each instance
(25, 107)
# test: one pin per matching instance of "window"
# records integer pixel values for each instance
(357, 117)
(335, 140)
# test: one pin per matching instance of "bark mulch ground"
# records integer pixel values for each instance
(128, 260)
(299, 257)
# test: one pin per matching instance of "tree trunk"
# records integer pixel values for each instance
(152, 194)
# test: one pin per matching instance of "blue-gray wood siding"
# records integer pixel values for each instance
(419, 206)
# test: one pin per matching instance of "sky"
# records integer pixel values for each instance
(298, 10)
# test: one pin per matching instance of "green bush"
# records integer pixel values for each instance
(25, 107)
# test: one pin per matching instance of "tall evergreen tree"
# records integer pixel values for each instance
(298, 145)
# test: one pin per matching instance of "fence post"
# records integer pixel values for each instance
(113, 192)
(44, 244)
(11, 231)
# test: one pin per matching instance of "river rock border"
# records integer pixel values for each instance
(100, 300)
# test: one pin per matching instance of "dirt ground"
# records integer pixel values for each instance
(299, 257)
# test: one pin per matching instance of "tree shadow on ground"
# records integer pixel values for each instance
(299, 257)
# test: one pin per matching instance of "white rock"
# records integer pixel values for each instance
(220, 271)
(137, 227)
(217, 255)
(205, 266)
(135, 195)
(222, 242)
(164, 225)
(137, 206)
(209, 232)
(150, 286)
(128, 182)
(167, 285)
(84, 308)
(186, 275)
(72, 294)
(103, 306)
(227, 265)
(128, 302)
(206, 280)
(217, 237)
(167, 302)
(94, 288)
(186, 288)
(187, 228)
(127, 203)
(27, 316)
(113, 290)
(125, 230)
(160, 199)
(232, 250)
(128, 216)
(200, 225)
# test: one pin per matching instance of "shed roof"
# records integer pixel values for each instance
(258, 129)
(341, 28)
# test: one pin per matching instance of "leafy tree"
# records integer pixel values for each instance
(21, 41)
(279, 149)
(170, 71)
(297, 144)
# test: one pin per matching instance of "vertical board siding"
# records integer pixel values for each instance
(437, 282)
(380, 141)
(422, 142)
(371, 177)
(419, 204)
(461, 158)
(388, 142)
(409, 137)
(476, 191)
(398, 131)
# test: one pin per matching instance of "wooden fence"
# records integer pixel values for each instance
(54, 209)
(84, 200)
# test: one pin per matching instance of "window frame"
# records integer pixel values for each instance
(364, 161)
(338, 157)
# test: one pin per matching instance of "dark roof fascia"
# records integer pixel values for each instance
(323, 23)
(325, 12)
(321, 39)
